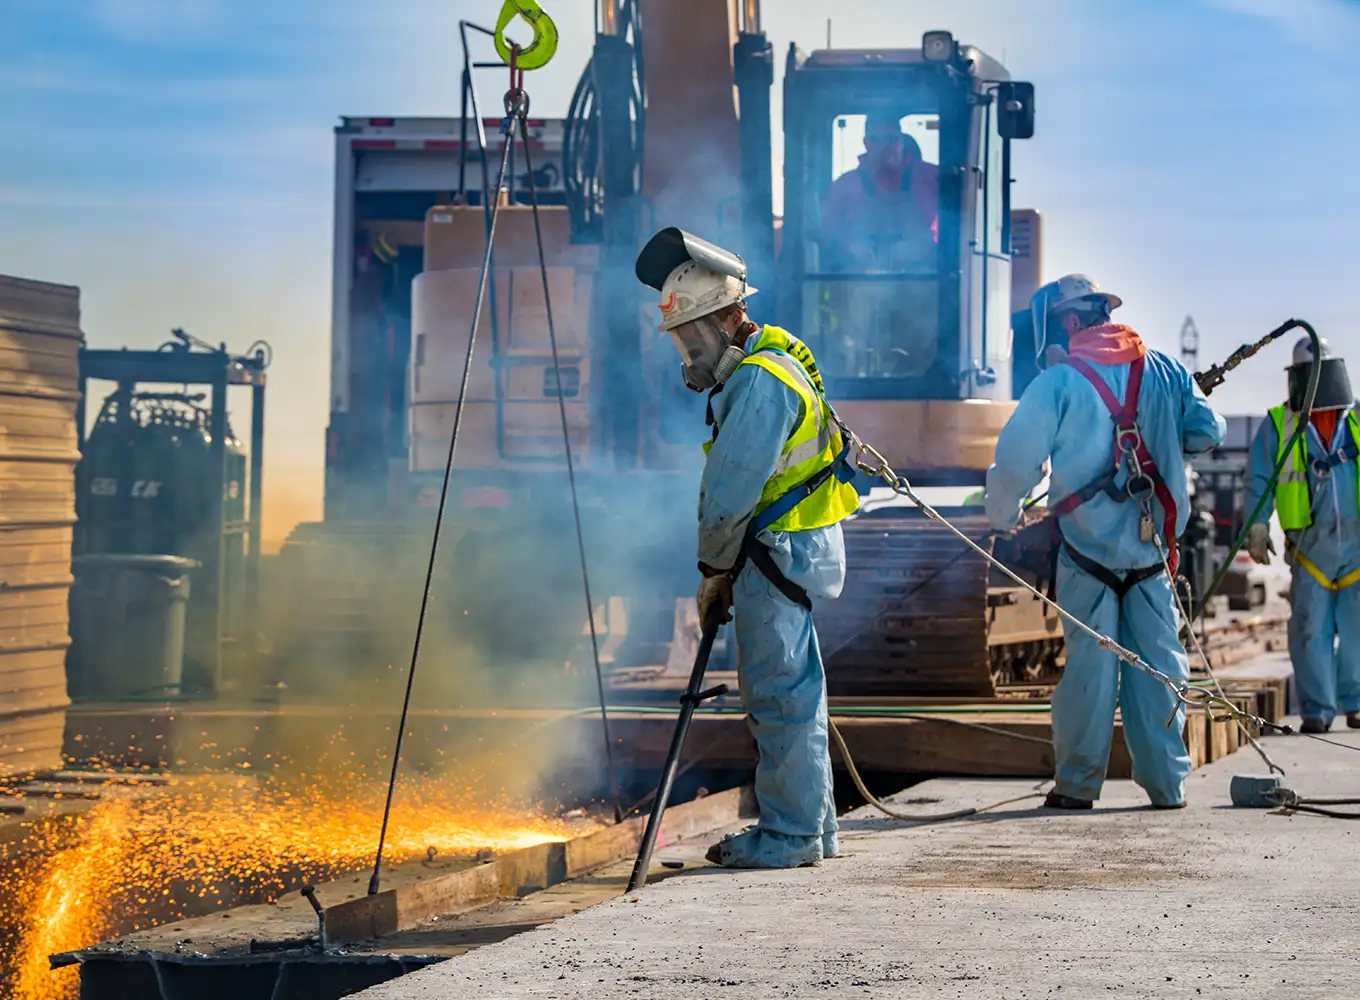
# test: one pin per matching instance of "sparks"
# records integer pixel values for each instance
(210, 843)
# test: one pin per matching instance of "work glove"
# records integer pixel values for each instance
(1025, 517)
(715, 593)
(1259, 544)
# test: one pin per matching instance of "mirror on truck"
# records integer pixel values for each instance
(1015, 110)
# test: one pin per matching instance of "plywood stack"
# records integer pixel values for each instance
(40, 343)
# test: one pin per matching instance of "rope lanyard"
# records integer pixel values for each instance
(516, 115)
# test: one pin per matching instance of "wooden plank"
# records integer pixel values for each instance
(1194, 738)
(26, 304)
(1216, 745)
(927, 745)
(519, 873)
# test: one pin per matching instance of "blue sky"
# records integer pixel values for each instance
(174, 159)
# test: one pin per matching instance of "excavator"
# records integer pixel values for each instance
(671, 125)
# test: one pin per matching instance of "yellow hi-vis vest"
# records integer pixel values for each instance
(815, 443)
(1294, 491)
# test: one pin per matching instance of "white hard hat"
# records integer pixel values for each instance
(1303, 351)
(1073, 287)
(692, 291)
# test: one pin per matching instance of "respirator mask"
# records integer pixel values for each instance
(709, 356)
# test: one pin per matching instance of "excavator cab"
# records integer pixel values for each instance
(895, 251)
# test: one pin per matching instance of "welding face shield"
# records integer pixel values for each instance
(697, 281)
(1334, 390)
(1050, 339)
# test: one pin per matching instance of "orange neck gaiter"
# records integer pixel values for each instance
(1111, 344)
(1324, 422)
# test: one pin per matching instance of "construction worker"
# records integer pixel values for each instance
(887, 205)
(775, 486)
(1117, 421)
(1317, 500)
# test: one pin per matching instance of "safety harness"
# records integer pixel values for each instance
(1315, 571)
(756, 551)
(1144, 481)
(1322, 468)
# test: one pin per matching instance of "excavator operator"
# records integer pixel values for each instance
(883, 214)
(1117, 421)
(774, 490)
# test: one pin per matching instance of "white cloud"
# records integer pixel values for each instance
(1328, 25)
(162, 21)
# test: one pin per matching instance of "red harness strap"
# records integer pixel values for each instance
(1127, 438)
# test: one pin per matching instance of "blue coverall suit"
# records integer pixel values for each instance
(1326, 672)
(1061, 415)
(783, 684)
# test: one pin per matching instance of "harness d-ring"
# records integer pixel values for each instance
(539, 52)
(1128, 438)
(1140, 487)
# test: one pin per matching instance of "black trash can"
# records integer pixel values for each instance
(127, 625)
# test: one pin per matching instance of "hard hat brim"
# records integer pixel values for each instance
(1114, 301)
(669, 325)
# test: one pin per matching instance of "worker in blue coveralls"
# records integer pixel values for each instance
(1317, 500)
(775, 488)
(1117, 421)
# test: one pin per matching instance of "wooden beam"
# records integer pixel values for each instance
(519, 873)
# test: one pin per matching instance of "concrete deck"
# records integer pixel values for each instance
(1124, 901)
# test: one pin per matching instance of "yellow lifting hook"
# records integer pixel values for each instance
(540, 51)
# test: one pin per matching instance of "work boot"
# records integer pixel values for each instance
(1353, 720)
(1056, 800)
(757, 848)
(1169, 805)
(1315, 726)
(831, 845)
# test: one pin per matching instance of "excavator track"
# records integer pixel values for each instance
(923, 615)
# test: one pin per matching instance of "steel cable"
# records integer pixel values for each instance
(571, 471)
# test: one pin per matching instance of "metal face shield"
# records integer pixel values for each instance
(1334, 390)
(701, 343)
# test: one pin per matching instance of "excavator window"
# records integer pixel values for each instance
(872, 290)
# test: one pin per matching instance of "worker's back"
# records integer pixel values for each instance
(1063, 408)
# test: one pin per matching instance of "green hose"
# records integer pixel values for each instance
(1286, 453)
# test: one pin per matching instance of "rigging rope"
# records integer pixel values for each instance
(1185, 694)
(375, 878)
(571, 471)
(516, 107)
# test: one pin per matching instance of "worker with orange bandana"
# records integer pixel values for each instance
(1116, 420)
